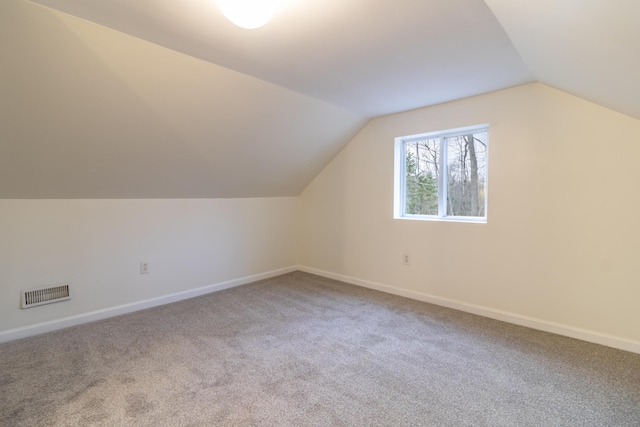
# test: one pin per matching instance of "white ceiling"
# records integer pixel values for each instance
(87, 112)
(372, 57)
(589, 48)
(207, 109)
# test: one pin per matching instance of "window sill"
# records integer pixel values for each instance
(445, 219)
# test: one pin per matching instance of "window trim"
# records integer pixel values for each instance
(399, 176)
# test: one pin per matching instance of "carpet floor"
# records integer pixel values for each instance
(301, 350)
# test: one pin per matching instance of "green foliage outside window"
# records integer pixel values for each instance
(464, 168)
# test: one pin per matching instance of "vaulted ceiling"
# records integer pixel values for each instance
(163, 98)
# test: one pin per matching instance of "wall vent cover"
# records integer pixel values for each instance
(42, 296)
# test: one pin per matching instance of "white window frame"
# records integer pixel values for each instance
(399, 203)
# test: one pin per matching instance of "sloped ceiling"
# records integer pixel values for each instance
(372, 57)
(88, 112)
(589, 48)
(166, 98)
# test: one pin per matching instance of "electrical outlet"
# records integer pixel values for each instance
(406, 260)
(144, 268)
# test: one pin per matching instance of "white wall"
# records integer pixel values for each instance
(96, 246)
(559, 249)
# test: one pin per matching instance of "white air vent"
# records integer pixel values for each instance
(45, 295)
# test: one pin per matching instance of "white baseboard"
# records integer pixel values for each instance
(52, 325)
(517, 319)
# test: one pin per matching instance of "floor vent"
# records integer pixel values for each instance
(42, 296)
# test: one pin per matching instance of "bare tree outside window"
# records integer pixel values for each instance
(466, 171)
(422, 176)
(445, 175)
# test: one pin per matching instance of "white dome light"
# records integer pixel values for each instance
(247, 13)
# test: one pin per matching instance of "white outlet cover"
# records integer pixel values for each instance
(144, 268)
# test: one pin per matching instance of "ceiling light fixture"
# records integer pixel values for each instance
(248, 14)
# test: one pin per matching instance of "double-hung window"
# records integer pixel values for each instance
(442, 175)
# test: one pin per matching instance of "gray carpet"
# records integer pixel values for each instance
(300, 350)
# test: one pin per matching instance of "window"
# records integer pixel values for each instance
(442, 175)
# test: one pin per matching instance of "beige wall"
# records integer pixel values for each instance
(562, 235)
(96, 246)
(558, 248)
